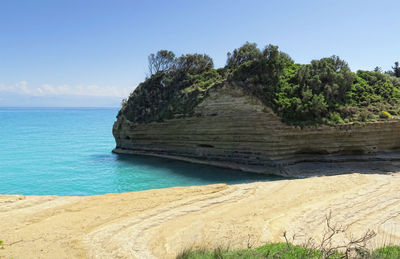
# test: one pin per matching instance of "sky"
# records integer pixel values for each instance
(94, 52)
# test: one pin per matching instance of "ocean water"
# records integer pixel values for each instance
(67, 151)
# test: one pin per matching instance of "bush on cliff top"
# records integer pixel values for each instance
(325, 91)
(171, 91)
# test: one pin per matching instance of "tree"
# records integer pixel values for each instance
(378, 69)
(194, 63)
(330, 76)
(162, 61)
(250, 65)
(396, 69)
(273, 63)
(247, 52)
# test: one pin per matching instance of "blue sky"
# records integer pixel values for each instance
(89, 50)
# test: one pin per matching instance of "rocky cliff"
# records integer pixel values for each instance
(234, 129)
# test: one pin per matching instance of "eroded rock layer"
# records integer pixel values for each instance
(234, 129)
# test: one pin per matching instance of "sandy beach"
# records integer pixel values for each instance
(161, 223)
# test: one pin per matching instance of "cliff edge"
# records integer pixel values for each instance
(234, 129)
(264, 113)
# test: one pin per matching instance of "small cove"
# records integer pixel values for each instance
(67, 151)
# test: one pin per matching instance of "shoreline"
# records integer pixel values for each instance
(163, 222)
(249, 169)
(300, 166)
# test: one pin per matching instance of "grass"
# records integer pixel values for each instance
(276, 250)
(390, 252)
(284, 250)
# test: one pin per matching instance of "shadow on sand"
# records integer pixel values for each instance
(205, 173)
(383, 163)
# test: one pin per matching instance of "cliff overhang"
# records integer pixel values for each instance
(232, 128)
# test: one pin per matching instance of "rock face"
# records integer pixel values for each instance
(236, 130)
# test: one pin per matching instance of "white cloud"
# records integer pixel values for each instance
(23, 87)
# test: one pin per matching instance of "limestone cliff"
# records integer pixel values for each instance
(234, 129)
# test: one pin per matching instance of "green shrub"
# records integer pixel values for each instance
(324, 91)
(335, 118)
(275, 250)
(385, 115)
(388, 252)
(285, 251)
(365, 115)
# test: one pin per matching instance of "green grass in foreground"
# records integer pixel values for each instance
(283, 250)
(387, 252)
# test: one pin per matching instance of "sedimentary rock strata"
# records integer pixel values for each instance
(232, 128)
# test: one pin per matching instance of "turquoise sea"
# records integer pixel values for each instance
(67, 151)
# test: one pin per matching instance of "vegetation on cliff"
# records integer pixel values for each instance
(175, 86)
(325, 91)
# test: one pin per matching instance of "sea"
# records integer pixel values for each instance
(67, 151)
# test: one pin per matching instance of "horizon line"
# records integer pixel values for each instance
(58, 107)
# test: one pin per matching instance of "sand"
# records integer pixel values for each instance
(161, 223)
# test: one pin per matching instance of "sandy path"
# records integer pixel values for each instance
(161, 223)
